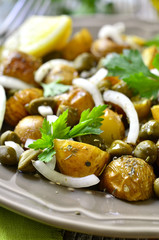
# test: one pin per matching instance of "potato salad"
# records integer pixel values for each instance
(81, 111)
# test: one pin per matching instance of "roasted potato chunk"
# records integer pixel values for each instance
(15, 106)
(65, 74)
(80, 43)
(128, 178)
(78, 159)
(29, 127)
(21, 65)
(112, 127)
(77, 98)
(101, 47)
(155, 112)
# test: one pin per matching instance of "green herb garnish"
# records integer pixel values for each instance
(89, 123)
(130, 67)
(54, 88)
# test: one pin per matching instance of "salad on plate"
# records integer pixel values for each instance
(82, 112)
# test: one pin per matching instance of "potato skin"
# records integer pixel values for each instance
(76, 98)
(65, 74)
(15, 106)
(29, 127)
(78, 159)
(80, 43)
(103, 46)
(21, 65)
(128, 178)
(112, 127)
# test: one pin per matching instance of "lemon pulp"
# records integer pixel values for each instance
(40, 35)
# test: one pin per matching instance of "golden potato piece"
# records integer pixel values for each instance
(112, 127)
(21, 65)
(80, 43)
(77, 98)
(128, 178)
(142, 107)
(15, 106)
(155, 112)
(103, 46)
(29, 127)
(78, 159)
(148, 55)
(65, 74)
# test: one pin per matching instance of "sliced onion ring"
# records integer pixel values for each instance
(45, 110)
(2, 105)
(91, 88)
(124, 102)
(46, 67)
(13, 83)
(98, 76)
(64, 180)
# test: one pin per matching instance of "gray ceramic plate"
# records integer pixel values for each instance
(82, 210)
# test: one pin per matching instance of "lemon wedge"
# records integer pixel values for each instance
(39, 35)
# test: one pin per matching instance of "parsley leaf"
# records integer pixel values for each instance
(60, 128)
(153, 41)
(130, 67)
(156, 61)
(46, 155)
(54, 88)
(89, 123)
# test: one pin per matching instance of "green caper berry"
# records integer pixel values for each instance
(92, 139)
(119, 148)
(32, 107)
(84, 61)
(146, 150)
(25, 160)
(156, 187)
(150, 130)
(9, 136)
(8, 155)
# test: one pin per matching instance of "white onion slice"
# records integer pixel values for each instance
(112, 31)
(13, 83)
(98, 76)
(64, 180)
(155, 71)
(52, 163)
(19, 150)
(28, 142)
(91, 88)
(51, 118)
(45, 110)
(2, 105)
(46, 67)
(128, 107)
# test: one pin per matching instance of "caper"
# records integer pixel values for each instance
(9, 136)
(84, 61)
(156, 187)
(146, 150)
(8, 155)
(150, 130)
(88, 74)
(104, 85)
(119, 148)
(73, 116)
(123, 88)
(25, 160)
(32, 107)
(92, 139)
